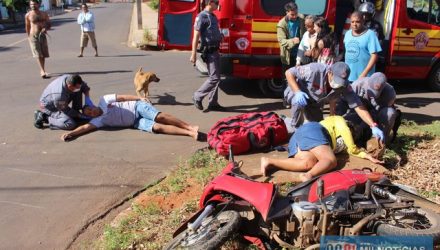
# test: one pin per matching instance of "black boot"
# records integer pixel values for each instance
(39, 119)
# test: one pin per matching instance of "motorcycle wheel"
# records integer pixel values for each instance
(212, 234)
(422, 222)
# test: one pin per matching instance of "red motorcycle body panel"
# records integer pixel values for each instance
(256, 193)
(337, 181)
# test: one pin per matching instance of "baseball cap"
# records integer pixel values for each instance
(375, 84)
(74, 79)
(340, 71)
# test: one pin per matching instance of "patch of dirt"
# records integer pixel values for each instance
(422, 170)
(173, 200)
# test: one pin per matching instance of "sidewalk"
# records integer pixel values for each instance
(148, 34)
(7, 24)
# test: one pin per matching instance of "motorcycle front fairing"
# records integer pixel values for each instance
(258, 194)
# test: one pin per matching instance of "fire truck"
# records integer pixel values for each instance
(250, 50)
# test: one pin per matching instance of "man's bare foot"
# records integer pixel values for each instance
(194, 128)
(44, 75)
(265, 166)
(194, 134)
(305, 177)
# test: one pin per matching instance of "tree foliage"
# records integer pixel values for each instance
(16, 5)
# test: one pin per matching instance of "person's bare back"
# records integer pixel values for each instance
(37, 22)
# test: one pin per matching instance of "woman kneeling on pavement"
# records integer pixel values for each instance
(313, 146)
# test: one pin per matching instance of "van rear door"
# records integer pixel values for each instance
(176, 18)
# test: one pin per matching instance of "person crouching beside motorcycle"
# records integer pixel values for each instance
(313, 146)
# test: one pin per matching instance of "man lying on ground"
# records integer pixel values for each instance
(131, 111)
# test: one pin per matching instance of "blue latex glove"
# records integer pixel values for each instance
(377, 133)
(300, 99)
(89, 102)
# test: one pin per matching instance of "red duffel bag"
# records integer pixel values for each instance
(247, 133)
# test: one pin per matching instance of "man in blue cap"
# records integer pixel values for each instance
(312, 85)
(378, 97)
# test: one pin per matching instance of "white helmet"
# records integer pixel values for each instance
(367, 7)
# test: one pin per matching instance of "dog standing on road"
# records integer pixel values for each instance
(142, 81)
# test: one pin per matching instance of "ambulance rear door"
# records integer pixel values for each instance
(415, 38)
(176, 19)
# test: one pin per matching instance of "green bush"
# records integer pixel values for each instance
(154, 4)
(16, 5)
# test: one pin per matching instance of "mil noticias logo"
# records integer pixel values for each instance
(376, 243)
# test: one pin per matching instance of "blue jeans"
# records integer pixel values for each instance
(145, 115)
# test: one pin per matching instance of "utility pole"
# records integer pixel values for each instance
(139, 13)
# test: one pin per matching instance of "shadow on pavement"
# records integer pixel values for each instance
(416, 102)
(245, 87)
(420, 118)
(91, 72)
(410, 87)
(16, 30)
(167, 99)
(125, 55)
(59, 21)
(7, 48)
(273, 106)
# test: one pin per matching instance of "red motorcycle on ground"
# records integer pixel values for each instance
(345, 202)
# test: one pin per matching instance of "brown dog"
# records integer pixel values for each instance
(375, 148)
(142, 81)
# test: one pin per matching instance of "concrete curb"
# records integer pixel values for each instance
(149, 26)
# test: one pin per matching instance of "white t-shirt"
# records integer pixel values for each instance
(307, 43)
(115, 114)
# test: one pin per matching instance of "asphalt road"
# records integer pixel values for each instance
(51, 190)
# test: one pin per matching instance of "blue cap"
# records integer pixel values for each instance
(340, 71)
(376, 83)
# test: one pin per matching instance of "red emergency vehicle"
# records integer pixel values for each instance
(250, 48)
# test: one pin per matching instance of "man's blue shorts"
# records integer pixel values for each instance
(308, 136)
(145, 116)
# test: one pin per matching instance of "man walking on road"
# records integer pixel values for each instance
(37, 23)
(87, 21)
(206, 28)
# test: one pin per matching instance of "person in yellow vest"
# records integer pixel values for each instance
(313, 146)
